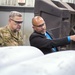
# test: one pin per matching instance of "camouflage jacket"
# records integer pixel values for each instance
(9, 38)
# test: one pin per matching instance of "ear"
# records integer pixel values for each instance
(33, 27)
(9, 20)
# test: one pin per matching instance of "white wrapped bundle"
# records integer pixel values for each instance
(15, 54)
(58, 63)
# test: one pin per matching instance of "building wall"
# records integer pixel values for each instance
(27, 10)
(27, 3)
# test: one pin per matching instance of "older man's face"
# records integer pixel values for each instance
(16, 23)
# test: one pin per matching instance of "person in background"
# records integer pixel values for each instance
(43, 40)
(11, 35)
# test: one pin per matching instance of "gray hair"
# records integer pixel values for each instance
(14, 13)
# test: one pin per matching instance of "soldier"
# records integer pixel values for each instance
(10, 35)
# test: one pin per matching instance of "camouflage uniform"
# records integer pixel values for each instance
(9, 38)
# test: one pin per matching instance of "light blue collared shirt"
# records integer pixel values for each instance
(49, 37)
(69, 39)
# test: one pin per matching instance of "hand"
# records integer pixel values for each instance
(72, 37)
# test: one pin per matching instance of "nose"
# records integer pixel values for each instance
(19, 26)
(42, 27)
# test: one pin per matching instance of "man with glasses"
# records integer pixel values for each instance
(10, 35)
(41, 39)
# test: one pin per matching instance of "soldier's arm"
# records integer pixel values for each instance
(20, 38)
(1, 40)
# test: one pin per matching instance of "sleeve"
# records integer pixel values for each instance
(1, 40)
(20, 38)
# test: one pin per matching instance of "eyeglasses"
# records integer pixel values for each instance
(39, 25)
(18, 22)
